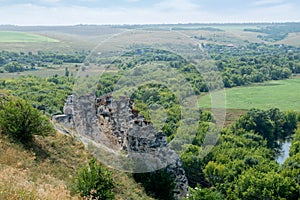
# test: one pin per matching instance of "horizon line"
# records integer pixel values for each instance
(156, 24)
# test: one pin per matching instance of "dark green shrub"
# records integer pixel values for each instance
(94, 182)
(205, 194)
(20, 121)
(159, 184)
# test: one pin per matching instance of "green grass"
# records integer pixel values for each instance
(15, 36)
(283, 94)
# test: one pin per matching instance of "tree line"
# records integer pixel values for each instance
(21, 61)
(254, 63)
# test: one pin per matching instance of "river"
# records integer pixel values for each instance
(284, 150)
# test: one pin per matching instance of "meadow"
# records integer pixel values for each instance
(15, 36)
(282, 94)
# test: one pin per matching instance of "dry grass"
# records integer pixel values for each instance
(29, 173)
(16, 184)
(46, 169)
(292, 39)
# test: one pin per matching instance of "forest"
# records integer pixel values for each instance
(242, 164)
(20, 61)
(275, 32)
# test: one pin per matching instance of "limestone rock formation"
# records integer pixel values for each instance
(118, 127)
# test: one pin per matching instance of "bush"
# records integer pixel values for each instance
(158, 184)
(20, 121)
(94, 182)
(205, 194)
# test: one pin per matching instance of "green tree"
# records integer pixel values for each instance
(94, 182)
(256, 185)
(204, 194)
(214, 173)
(67, 72)
(159, 184)
(193, 165)
(20, 121)
(258, 121)
(291, 122)
(13, 67)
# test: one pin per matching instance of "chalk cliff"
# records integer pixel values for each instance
(118, 127)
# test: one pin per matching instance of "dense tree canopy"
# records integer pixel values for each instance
(20, 121)
(242, 165)
(46, 94)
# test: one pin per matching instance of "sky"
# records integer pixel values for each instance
(72, 12)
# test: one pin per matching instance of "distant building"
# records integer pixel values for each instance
(230, 45)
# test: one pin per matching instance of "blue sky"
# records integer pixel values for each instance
(69, 12)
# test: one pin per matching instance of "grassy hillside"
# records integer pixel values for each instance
(13, 36)
(46, 170)
(283, 94)
(292, 39)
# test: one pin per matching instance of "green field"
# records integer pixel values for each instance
(283, 94)
(15, 36)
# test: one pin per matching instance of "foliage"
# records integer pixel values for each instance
(13, 67)
(242, 164)
(149, 97)
(107, 83)
(291, 167)
(256, 185)
(204, 194)
(159, 184)
(254, 63)
(46, 94)
(192, 164)
(214, 173)
(275, 32)
(94, 182)
(43, 57)
(271, 124)
(20, 121)
(143, 56)
(155, 96)
(20, 61)
(46, 170)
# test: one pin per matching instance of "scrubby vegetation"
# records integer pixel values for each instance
(94, 181)
(46, 94)
(158, 184)
(20, 121)
(37, 163)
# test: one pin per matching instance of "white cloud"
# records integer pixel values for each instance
(133, 1)
(50, 1)
(177, 5)
(29, 14)
(267, 2)
(165, 12)
(281, 12)
(86, 1)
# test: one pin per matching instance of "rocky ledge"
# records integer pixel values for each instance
(115, 124)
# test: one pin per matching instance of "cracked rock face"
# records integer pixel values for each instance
(118, 127)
